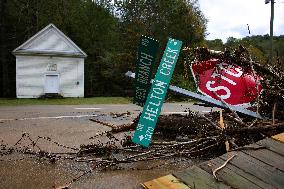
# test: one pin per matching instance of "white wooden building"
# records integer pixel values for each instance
(49, 63)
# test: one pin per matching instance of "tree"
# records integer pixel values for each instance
(107, 32)
(160, 19)
(216, 44)
(3, 53)
(259, 47)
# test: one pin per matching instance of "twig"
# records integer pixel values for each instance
(191, 151)
(211, 122)
(221, 121)
(76, 178)
(222, 166)
(235, 114)
(164, 143)
(248, 148)
(103, 123)
(237, 120)
(273, 113)
(203, 144)
(223, 126)
(254, 122)
(256, 85)
(247, 130)
(141, 154)
(23, 135)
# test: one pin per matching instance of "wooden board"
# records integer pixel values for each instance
(198, 178)
(279, 137)
(269, 157)
(272, 145)
(259, 169)
(252, 168)
(165, 182)
(234, 176)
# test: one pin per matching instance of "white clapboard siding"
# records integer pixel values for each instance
(51, 41)
(31, 73)
(49, 52)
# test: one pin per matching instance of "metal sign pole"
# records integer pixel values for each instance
(206, 99)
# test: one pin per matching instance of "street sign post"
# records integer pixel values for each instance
(206, 99)
(152, 108)
(147, 52)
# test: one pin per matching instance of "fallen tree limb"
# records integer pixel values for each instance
(114, 128)
(124, 127)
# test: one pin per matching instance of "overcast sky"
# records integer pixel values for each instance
(229, 18)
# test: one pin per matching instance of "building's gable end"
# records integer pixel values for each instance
(50, 40)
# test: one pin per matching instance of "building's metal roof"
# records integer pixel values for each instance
(50, 41)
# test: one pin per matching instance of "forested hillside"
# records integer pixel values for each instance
(259, 47)
(109, 32)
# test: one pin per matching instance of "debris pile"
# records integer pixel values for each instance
(271, 99)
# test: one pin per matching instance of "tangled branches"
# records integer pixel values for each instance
(270, 101)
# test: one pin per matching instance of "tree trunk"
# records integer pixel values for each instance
(3, 51)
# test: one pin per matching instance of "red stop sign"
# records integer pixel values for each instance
(230, 82)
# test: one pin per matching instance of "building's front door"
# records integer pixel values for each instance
(51, 84)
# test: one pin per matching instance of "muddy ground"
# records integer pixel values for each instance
(70, 126)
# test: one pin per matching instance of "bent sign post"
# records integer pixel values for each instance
(147, 53)
(206, 99)
(155, 99)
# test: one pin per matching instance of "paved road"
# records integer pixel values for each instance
(17, 112)
(70, 125)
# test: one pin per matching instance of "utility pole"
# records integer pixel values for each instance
(271, 29)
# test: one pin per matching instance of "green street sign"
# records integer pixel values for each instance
(157, 94)
(147, 53)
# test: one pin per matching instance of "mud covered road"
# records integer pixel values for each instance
(69, 126)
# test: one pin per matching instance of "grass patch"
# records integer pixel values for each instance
(65, 101)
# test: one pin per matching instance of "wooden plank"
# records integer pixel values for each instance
(165, 182)
(272, 145)
(234, 176)
(268, 157)
(195, 177)
(259, 169)
(279, 137)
